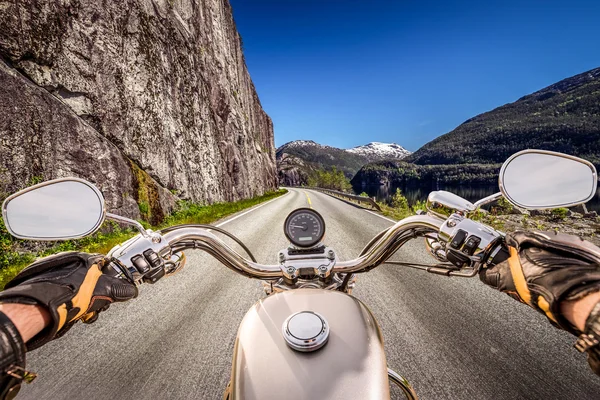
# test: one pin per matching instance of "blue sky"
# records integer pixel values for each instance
(346, 72)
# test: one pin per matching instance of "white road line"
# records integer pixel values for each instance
(381, 216)
(250, 210)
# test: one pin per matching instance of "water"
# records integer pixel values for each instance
(471, 193)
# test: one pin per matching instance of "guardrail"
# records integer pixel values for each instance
(352, 197)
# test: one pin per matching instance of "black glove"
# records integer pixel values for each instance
(545, 269)
(71, 286)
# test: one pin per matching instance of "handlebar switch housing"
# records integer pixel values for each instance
(471, 244)
(468, 243)
(142, 257)
(457, 259)
(140, 263)
(458, 239)
(158, 266)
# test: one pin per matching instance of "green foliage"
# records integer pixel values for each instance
(399, 201)
(419, 205)
(143, 206)
(502, 206)
(399, 207)
(363, 194)
(540, 226)
(9, 257)
(34, 180)
(332, 179)
(400, 173)
(560, 213)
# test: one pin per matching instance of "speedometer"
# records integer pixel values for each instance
(304, 227)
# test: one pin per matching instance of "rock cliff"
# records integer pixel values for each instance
(150, 99)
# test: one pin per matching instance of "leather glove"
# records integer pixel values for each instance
(71, 286)
(545, 269)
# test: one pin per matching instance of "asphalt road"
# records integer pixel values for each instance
(452, 338)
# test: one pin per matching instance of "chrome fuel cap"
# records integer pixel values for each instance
(305, 331)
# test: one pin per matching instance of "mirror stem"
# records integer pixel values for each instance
(487, 200)
(139, 226)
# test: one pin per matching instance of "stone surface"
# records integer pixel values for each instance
(41, 139)
(291, 171)
(162, 84)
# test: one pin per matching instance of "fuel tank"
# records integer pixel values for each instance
(351, 365)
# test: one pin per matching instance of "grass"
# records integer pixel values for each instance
(111, 234)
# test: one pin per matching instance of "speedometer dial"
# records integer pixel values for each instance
(304, 227)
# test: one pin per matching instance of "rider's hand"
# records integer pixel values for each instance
(71, 286)
(545, 269)
(555, 274)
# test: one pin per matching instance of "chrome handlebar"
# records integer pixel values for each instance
(378, 251)
(381, 250)
(205, 240)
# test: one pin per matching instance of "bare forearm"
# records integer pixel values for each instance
(577, 311)
(29, 320)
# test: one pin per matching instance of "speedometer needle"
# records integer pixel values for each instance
(301, 227)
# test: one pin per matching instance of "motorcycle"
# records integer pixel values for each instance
(309, 331)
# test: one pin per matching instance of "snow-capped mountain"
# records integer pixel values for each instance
(295, 159)
(381, 151)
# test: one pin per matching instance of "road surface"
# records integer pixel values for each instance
(452, 338)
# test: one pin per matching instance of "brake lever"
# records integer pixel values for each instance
(441, 269)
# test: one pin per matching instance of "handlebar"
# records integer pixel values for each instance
(408, 228)
(179, 238)
(190, 238)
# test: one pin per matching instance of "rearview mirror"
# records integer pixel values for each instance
(538, 179)
(61, 209)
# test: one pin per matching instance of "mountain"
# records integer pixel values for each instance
(151, 101)
(296, 159)
(381, 151)
(563, 117)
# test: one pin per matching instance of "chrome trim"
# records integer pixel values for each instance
(205, 240)
(435, 249)
(487, 200)
(48, 183)
(124, 252)
(552, 153)
(307, 319)
(389, 242)
(334, 283)
(399, 380)
(444, 204)
(126, 220)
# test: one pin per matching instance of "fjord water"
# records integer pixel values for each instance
(471, 193)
